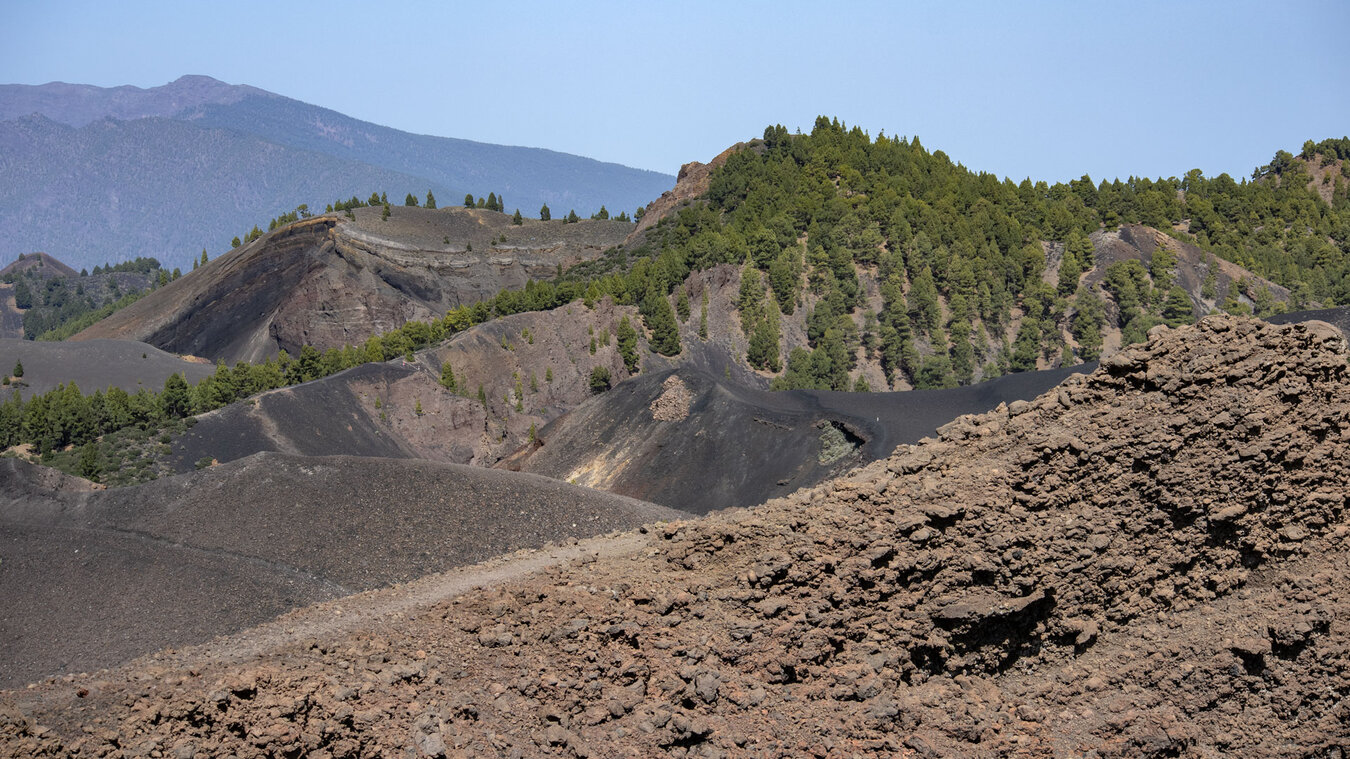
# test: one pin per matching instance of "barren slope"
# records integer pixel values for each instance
(95, 365)
(692, 441)
(1148, 561)
(93, 578)
(401, 410)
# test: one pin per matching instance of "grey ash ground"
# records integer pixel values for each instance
(93, 578)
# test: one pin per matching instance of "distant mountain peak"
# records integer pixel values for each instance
(79, 104)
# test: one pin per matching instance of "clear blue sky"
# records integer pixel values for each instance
(1050, 90)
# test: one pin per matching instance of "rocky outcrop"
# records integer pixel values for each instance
(1150, 560)
(691, 182)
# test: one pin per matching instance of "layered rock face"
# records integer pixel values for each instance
(1150, 560)
(330, 281)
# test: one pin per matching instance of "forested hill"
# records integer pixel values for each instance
(900, 257)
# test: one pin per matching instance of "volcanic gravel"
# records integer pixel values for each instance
(92, 579)
(95, 365)
(1147, 561)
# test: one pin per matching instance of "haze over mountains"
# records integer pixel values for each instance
(95, 175)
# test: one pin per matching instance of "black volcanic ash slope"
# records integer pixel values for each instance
(699, 444)
(329, 280)
(95, 365)
(91, 579)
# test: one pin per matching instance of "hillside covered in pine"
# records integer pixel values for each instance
(882, 252)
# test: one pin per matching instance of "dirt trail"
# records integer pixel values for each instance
(387, 606)
(327, 622)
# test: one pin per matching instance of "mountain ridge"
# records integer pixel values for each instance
(182, 148)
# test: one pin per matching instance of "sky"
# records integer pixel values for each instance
(1047, 90)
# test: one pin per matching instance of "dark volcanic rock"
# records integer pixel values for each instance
(1337, 317)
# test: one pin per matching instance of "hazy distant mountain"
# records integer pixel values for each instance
(79, 104)
(94, 174)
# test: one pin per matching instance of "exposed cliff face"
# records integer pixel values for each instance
(691, 182)
(329, 281)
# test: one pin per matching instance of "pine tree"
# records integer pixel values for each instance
(923, 302)
(203, 256)
(431, 200)
(600, 379)
(783, 278)
(517, 219)
(1086, 327)
(88, 466)
(1026, 347)
(763, 351)
(18, 369)
(962, 353)
(660, 321)
(1177, 309)
(468, 200)
(572, 217)
(492, 202)
(626, 337)
(175, 402)
(448, 380)
(410, 200)
(544, 214)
